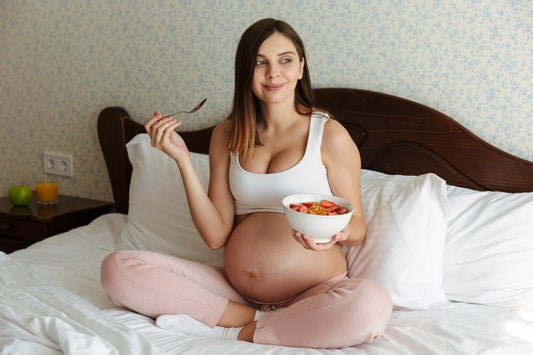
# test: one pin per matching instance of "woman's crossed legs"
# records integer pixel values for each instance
(338, 313)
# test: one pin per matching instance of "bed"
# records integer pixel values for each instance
(450, 234)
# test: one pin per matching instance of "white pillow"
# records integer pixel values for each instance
(406, 230)
(489, 248)
(159, 217)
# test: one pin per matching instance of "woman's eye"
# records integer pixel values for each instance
(286, 60)
(259, 62)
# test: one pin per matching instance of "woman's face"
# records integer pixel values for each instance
(277, 70)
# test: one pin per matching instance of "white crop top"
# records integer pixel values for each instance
(255, 192)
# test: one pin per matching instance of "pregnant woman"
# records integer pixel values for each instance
(277, 286)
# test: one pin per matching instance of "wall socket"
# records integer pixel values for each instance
(58, 164)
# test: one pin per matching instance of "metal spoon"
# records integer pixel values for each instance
(196, 108)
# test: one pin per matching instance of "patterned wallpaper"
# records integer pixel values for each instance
(61, 62)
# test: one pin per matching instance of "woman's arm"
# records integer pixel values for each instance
(212, 212)
(343, 163)
(216, 226)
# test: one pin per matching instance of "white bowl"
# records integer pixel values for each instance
(319, 227)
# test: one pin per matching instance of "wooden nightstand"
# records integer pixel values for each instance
(23, 226)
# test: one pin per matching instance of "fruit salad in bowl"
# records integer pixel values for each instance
(320, 216)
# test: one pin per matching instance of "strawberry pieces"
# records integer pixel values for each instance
(299, 207)
(327, 204)
(325, 207)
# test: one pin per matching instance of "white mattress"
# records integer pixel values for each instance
(51, 302)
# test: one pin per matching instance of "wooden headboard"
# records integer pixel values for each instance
(394, 136)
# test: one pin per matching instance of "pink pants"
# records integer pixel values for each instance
(338, 313)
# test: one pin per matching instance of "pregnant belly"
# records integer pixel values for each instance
(264, 262)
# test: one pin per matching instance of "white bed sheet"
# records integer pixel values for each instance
(51, 302)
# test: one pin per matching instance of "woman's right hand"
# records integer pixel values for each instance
(164, 137)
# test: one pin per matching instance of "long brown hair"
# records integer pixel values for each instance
(245, 112)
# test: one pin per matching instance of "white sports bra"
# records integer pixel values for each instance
(255, 192)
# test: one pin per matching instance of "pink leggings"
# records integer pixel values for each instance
(338, 313)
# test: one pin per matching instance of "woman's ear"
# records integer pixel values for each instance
(302, 65)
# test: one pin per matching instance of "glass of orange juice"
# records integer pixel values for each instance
(47, 192)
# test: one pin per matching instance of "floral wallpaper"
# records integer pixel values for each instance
(62, 62)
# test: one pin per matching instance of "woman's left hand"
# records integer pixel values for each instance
(308, 243)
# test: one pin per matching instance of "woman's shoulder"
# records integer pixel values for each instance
(222, 128)
(335, 136)
(332, 127)
(224, 125)
(318, 113)
(221, 133)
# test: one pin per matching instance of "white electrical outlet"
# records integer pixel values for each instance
(58, 164)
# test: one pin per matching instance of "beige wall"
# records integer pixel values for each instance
(61, 62)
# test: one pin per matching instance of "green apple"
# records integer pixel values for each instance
(20, 195)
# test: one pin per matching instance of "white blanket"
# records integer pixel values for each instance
(51, 302)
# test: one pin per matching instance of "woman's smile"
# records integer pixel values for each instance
(273, 87)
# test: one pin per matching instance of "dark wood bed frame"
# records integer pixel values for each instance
(394, 136)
